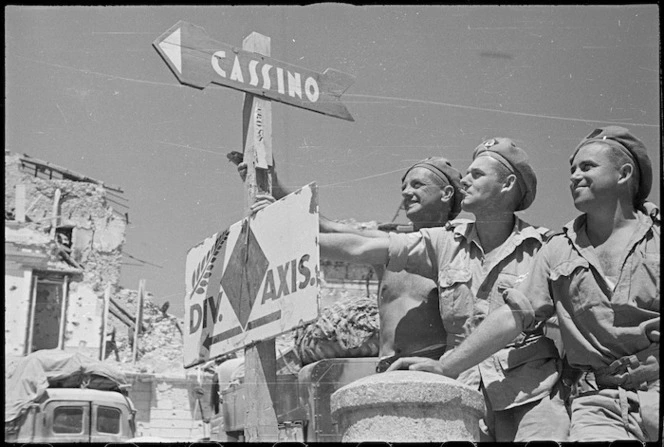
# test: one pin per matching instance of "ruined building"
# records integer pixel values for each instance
(63, 246)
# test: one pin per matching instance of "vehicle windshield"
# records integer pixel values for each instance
(68, 420)
(108, 420)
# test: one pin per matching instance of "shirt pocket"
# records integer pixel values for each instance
(505, 281)
(644, 286)
(456, 298)
(574, 278)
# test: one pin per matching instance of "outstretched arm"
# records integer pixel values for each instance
(498, 329)
(330, 226)
(279, 191)
(354, 248)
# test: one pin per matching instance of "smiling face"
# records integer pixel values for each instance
(483, 186)
(593, 177)
(422, 196)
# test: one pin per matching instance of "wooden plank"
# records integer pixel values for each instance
(40, 165)
(139, 318)
(33, 304)
(63, 313)
(260, 378)
(107, 302)
(260, 358)
(121, 314)
(54, 212)
(122, 317)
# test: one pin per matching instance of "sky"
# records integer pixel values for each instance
(86, 90)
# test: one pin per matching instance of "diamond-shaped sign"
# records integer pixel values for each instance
(255, 280)
(244, 274)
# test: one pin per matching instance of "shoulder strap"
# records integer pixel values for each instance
(546, 233)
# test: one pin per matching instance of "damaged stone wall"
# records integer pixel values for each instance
(159, 347)
(98, 230)
(97, 236)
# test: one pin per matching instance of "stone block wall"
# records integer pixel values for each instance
(168, 408)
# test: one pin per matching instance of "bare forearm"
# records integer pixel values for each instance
(494, 333)
(331, 226)
(354, 248)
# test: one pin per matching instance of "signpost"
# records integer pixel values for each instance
(197, 60)
(267, 283)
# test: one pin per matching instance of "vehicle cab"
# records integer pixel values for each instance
(77, 415)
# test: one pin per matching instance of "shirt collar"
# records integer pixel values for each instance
(575, 230)
(521, 231)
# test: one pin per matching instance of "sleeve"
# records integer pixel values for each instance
(409, 252)
(531, 300)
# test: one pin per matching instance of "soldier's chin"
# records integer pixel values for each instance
(412, 212)
(467, 205)
(581, 203)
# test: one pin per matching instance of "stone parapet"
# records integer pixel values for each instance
(407, 406)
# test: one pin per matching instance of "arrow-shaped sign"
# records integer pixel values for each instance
(196, 60)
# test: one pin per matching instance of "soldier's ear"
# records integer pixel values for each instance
(447, 193)
(626, 172)
(510, 183)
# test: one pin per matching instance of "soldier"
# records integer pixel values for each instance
(410, 322)
(601, 276)
(472, 263)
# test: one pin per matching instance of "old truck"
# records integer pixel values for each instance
(303, 406)
(57, 397)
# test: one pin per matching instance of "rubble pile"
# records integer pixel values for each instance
(160, 346)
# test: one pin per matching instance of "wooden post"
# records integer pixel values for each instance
(33, 304)
(260, 358)
(19, 207)
(54, 214)
(63, 313)
(104, 325)
(139, 317)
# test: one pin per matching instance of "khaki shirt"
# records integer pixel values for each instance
(470, 286)
(599, 323)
